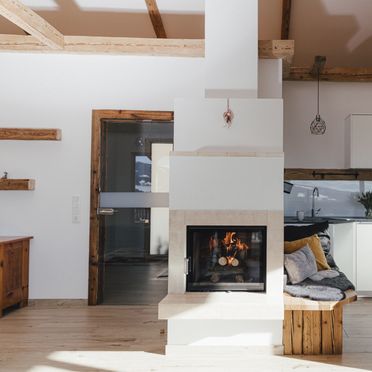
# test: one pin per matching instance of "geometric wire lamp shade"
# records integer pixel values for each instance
(318, 125)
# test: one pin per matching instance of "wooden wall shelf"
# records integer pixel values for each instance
(17, 184)
(30, 134)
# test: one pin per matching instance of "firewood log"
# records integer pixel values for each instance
(222, 261)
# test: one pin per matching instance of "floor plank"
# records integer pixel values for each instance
(130, 338)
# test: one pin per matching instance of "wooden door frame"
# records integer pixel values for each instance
(98, 118)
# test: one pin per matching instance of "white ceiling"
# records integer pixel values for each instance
(181, 18)
(165, 6)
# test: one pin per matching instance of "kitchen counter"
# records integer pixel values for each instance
(288, 220)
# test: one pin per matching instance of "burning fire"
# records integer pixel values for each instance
(231, 245)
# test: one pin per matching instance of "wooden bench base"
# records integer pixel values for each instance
(313, 327)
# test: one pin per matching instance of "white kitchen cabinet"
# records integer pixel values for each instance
(352, 250)
(358, 134)
(364, 257)
(343, 238)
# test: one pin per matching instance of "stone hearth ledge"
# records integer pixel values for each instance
(221, 305)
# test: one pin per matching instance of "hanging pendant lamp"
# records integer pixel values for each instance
(318, 125)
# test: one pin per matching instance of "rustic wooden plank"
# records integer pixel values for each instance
(267, 49)
(109, 45)
(297, 332)
(31, 134)
(94, 277)
(276, 49)
(25, 271)
(317, 332)
(327, 174)
(307, 339)
(318, 66)
(287, 332)
(327, 332)
(157, 22)
(286, 18)
(305, 304)
(2, 247)
(17, 184)
(338, 331)
(335, 74)
(32, 23)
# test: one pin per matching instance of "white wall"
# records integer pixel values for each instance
(226, 183)
(39, 90)
(231, 53)
(337, 101)
(257, 125)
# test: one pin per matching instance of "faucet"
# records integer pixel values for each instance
(314, 211)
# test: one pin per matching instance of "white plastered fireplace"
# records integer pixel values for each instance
(223, 176)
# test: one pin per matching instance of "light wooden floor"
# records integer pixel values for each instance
(79, 339)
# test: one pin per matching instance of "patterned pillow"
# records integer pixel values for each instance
(300, 264)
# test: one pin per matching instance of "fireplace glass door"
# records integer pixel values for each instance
(226, 258)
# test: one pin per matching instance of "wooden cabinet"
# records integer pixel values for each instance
(14, 259)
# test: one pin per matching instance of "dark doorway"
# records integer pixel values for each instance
(129, 231)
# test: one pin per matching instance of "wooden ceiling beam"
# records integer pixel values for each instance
(32, 23)
(276, 49)
(156, 20)
(286, 18)
(335, 74)
(267, 49)
(109, 45)
(318, 66)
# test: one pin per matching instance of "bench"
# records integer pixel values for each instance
(314, 327)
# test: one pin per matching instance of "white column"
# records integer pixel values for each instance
(231, 48)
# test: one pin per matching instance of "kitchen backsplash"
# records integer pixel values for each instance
(336, 198)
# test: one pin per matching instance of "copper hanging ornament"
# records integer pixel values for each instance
(228, 115)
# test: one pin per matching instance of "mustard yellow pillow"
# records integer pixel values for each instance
(314, 244)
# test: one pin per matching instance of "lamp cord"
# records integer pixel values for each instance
(318, 90)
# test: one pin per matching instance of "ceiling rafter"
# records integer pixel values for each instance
(157, 22)
(286, 18)
(32, 23)
(267, 49)
(109, 45)
(334, 74)
(318, 66)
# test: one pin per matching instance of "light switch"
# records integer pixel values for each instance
(75, 209)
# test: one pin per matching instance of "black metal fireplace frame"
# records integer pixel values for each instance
(249, 288)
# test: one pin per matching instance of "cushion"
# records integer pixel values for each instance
(314, 245)
(325, 241)
(300, 264)
(292, 233)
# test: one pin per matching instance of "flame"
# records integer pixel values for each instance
(233, 245)
(240, 246)
(229, 238)
(213, 243)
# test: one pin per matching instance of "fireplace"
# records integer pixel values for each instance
(226, 258)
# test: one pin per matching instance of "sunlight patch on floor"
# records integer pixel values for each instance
(136, 361)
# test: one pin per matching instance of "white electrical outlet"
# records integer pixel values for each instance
(75, 209)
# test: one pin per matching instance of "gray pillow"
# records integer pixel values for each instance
(300, 264)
